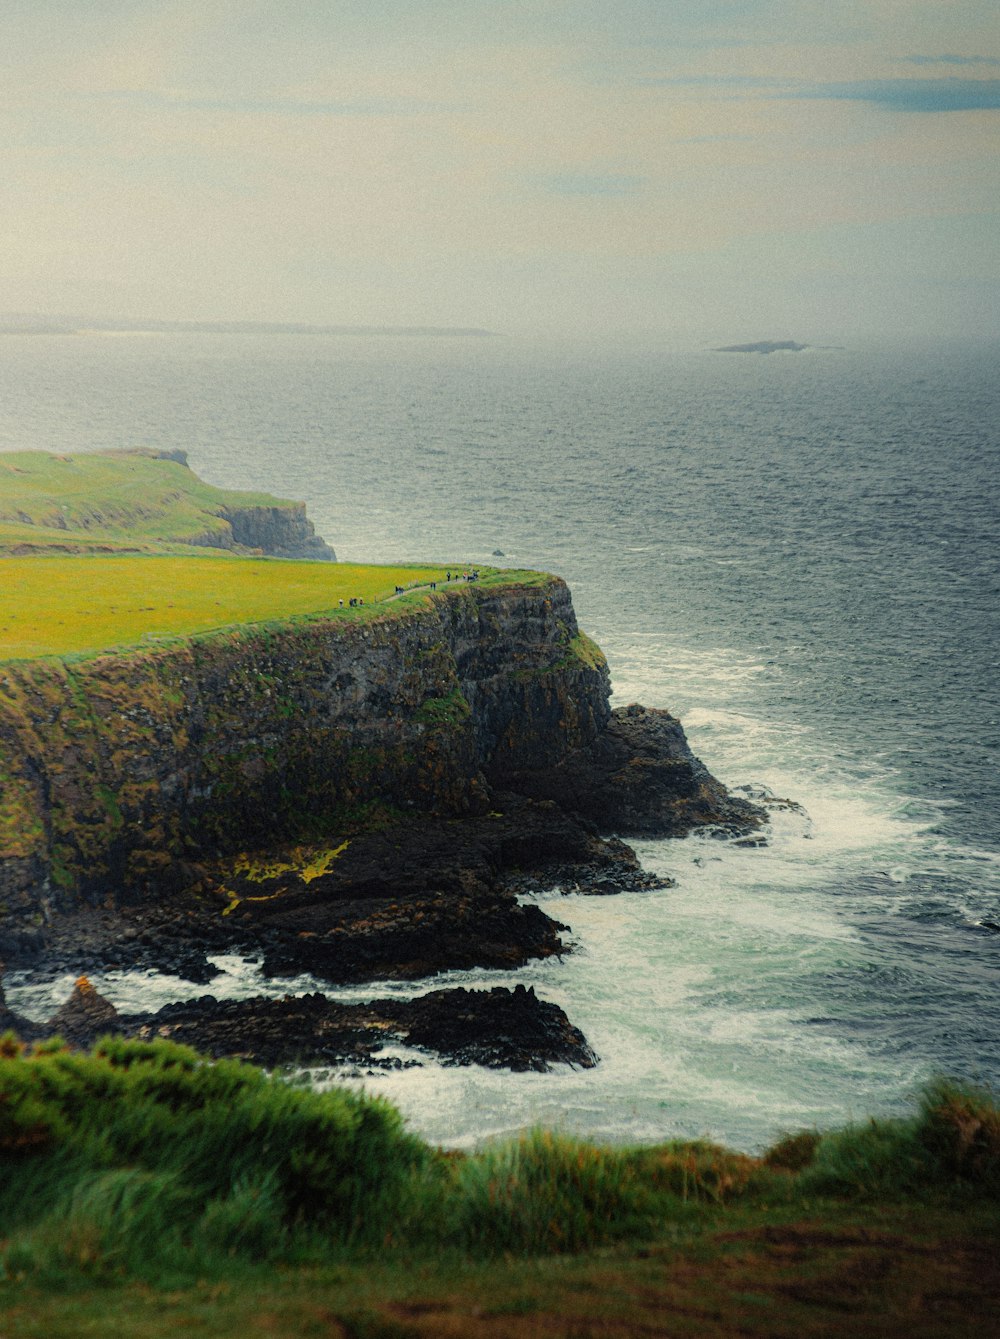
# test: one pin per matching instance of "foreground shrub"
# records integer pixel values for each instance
(150, 1142)
(793, 1152)
(953, 1143)
(146, 1160)
(880, 1158)
(699, 1171)
(959, 1126)
(106, 1224)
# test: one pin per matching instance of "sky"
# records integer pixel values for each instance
(697, 168)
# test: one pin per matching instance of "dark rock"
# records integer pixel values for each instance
(411, 938)
(639, 777)
(84, 1016)
(764, 346)
(502, 1029)
(499, 1028)
(281, 532)
(418, 897)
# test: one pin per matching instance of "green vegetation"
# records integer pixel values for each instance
(452, 709)
(587, 652)
(105, 674)
(116, 500)
(71, 605)
(142, 1165)
(142, 1158)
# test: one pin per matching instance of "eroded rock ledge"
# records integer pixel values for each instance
(498, 1028)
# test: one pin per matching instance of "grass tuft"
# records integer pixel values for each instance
(189, 1153)
(549, 1193)
(794, 1152)
(959, 1127)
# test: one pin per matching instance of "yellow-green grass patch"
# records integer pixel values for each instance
(73, 605)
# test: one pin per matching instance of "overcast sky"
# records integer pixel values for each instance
(759, 168)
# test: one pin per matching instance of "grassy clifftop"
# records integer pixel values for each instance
(120, 500)
(67, 605)
(155, 707)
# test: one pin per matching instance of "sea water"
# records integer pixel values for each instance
(797, 553)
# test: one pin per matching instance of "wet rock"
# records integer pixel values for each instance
(499, 1028)
(84, 1016)
(418, 897)
(639, 778)
(406, 939)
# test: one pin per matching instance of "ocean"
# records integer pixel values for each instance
(798, 554)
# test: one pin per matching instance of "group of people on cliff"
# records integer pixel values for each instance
(472, 575)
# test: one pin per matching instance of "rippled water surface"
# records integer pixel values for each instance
(797, 554)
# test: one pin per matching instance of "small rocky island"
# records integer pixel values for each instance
(360, 795)
(764, 346)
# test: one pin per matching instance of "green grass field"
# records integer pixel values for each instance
(72, 605)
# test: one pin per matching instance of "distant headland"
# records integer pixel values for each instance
(20, 324)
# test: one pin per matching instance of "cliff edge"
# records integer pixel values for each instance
(281, 766)
(140, 501)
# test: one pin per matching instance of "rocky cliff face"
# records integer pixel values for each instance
(140, 500)
(118, 772)
(278, 532)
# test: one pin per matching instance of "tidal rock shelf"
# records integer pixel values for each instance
(498, 1028)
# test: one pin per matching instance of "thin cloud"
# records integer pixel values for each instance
(952, 60)
(268, 106)
(912, 95)
(733, 82)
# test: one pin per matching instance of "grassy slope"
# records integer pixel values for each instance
(93, 556)
(69, 605)
(146, 1193)
(118, 500)
(889, 1272)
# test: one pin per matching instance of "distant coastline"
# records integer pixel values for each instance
(52, 325)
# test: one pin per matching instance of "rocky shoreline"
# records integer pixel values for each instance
(407, 900)
(354, 796)
(355, 799)
(499, 1028)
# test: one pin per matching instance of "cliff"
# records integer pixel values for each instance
(280, 531)
(143, 501)
(119, 769)
(133, 776)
